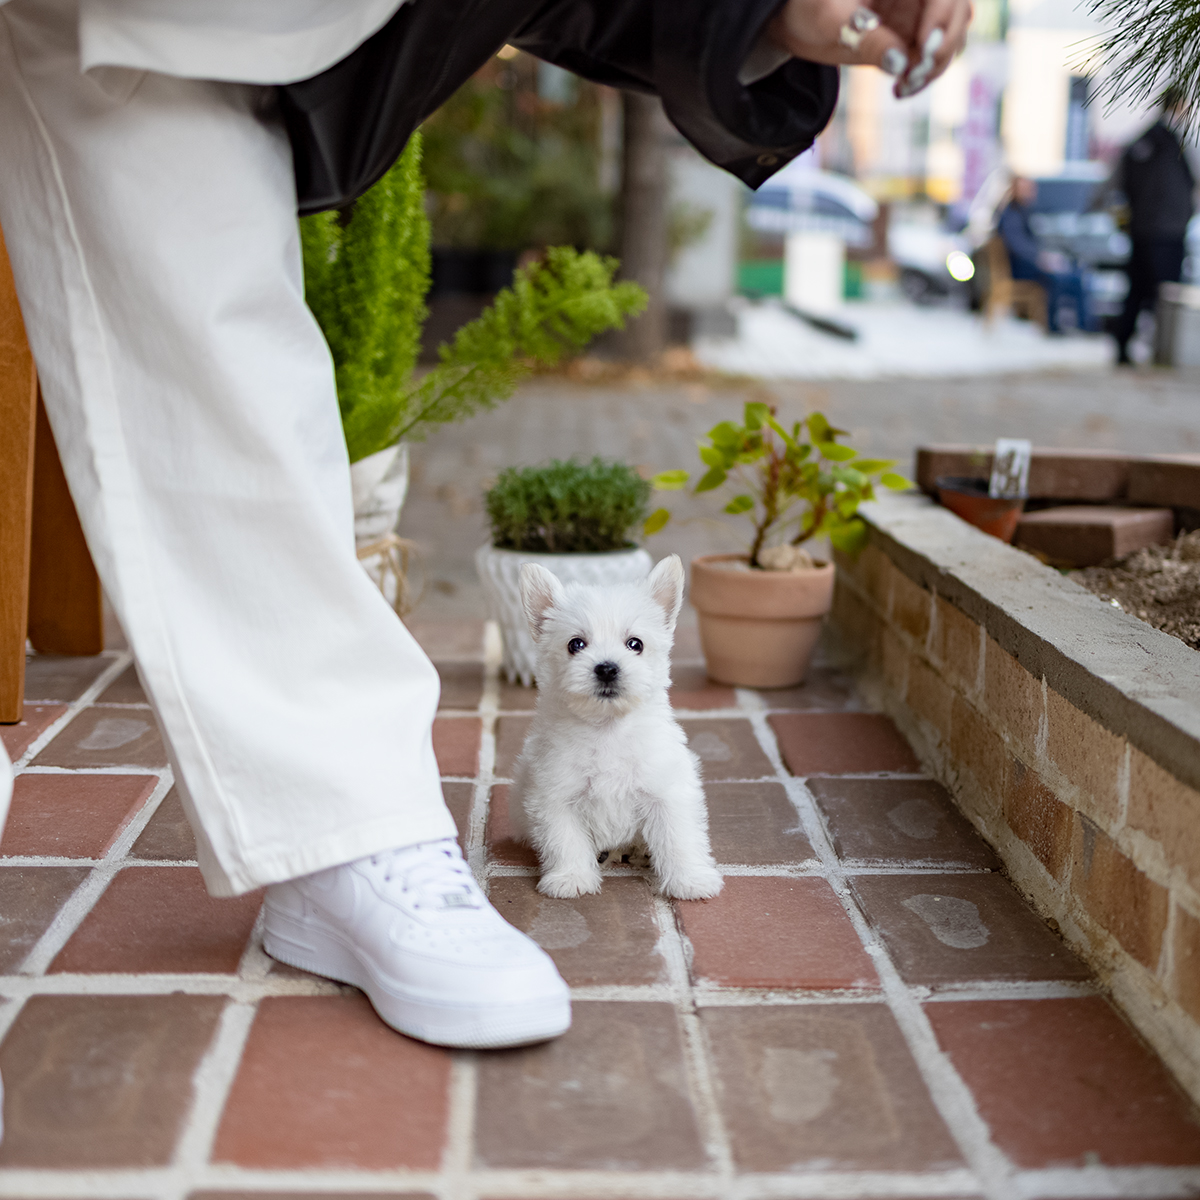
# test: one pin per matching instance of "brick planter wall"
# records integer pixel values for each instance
(1067, 731)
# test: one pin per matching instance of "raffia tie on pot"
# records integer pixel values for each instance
(392, 554)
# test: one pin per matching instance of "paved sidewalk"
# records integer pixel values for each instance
(869, 1009)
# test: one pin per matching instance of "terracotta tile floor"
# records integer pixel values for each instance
(868, 1009)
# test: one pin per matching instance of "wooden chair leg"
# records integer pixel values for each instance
(65, 606)
(18, 404)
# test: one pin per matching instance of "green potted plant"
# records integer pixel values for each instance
(760, 612)
(366, 274)
(576, 520)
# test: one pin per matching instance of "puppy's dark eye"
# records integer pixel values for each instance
(635, 644)
(575, 645)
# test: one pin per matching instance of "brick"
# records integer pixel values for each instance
(1166, 810)
(30, 898)
(1036, 815)
(692, 690)
(61, 677)
(607, 938)
(456, 744)
(1090, 758)
(892, 821)
(448, 641)
(515, 697)
(1083, 535)
(96, 1082)
(610, 1094)
(462, 684)
(1117, 895)
(1173, 480)
(855, 620)
(975, 745)
(35, 720)
(160, 920)
(841, 744)
(510, 737)
(107, 737)
(823, 1087)
(872, 571)
(1184, 983)
(727, 749)
(951, 929)
(1066, 1083)
(909, 608)
(755, 823)
(324, 1083)
(823, 690)
(502, 846)
(894, 659)
(125, 689)
(955, 644)
(1013, 697)
(458, 797)
(72, 816)
(168, 834)
(929, 696)
(775, 932)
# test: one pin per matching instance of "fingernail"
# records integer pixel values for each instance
(933, 43)
(894, 61)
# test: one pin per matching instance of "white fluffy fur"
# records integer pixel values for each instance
(607, 765)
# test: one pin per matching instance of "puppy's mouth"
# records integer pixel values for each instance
(607, 691)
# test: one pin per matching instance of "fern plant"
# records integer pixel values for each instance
(366, 280)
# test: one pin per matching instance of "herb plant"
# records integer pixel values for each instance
(567, 507)
(365, 280)
(802, 483)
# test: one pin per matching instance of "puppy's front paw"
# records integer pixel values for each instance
(562, 885)
(699, 885)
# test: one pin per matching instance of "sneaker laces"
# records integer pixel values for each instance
(434, 873)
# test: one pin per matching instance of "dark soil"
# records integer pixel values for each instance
(1160, 584)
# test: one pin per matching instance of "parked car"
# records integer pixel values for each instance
(932, 256)
(804, 198)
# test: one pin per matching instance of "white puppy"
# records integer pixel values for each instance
(605, 763)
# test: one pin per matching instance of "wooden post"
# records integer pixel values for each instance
(18, 405)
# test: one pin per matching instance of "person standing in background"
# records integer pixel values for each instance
(1158, 184)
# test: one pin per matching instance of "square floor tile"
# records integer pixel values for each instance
(610, 1094)
(168, 834)
(456, 744)
(30, 898)
(35, 720)
(1067, 1083)
(841, 743)
(458, 797)
(510, 737)
(890, 821)
(754, 824)
(775, 933)
(324, 1083)
(692, 690)
(61, 676)
(610, 937)
(101, 1081)
(515, 697)
(107, 737)
(125, 689)
(448, 641)
(502, 846)
(825, 1086)
(160, 920)
(825, 690)
(944, 929)
(462, 684)
(727, 749)
(72, 816)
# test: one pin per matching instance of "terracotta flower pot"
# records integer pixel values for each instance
(758, 628)
(969, 499)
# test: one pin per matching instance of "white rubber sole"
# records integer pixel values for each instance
(300, 942)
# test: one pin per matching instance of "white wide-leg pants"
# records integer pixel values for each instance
(151, 225)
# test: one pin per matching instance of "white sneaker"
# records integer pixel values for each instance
(412, 929)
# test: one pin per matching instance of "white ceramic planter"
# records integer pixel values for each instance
(379, 484)
(500, 574)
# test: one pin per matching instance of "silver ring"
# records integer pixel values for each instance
(862, 21)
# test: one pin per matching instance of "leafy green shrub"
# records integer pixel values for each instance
(366, 279)
(567, 507)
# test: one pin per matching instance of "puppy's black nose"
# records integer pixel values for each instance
(606, 672)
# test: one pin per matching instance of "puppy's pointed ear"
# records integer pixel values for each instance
(540, 591)
(666, 586)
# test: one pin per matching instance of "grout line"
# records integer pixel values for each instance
(458, 1155)
(34, 769)
(951, 1097)
(107, 676)
(81, 901)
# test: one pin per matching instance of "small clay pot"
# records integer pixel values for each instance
(968, 498)
(759, 628)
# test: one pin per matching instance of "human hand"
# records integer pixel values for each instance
(914, 41)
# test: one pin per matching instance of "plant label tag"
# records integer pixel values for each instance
(1010, 469)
